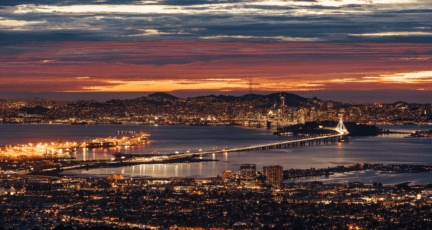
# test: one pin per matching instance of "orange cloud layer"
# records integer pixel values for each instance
(190, 65)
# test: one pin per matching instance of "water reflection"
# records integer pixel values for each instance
(371, 176)
(214, 166)
(84, 155)
(199, 169)
(339, 158)
(107, 153)
(382, 149)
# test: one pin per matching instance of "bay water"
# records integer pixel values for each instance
(382, 149)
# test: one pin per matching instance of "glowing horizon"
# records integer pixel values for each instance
(153, 66)
(218, 46)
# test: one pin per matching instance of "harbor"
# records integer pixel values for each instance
(56, 155)
(62, 148)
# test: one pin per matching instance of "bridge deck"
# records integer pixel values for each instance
(247, 148)
(269, 145)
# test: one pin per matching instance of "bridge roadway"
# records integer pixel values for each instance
(276, 144)
(281, 144)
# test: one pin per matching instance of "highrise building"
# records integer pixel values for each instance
(227, 175)
(282, 98)
(247, 171)
(273, 175)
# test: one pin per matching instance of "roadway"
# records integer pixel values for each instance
(301, 141)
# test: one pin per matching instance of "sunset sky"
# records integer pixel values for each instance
(379, 49)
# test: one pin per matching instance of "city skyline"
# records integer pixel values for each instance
(380, 50)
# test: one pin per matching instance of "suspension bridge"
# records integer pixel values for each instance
(339, 133)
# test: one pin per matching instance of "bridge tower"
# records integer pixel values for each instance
(341, 125)
(241, 115)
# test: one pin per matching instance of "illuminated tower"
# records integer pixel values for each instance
(282, 100)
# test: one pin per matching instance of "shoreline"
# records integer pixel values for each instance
(57, 172)
(368, 175)
(311, 179)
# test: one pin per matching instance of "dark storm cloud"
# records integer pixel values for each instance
(64, 2)
(198, 2)
(118, 2)
(26, 37)
(157, 54)
(390, 39)
(294, 20)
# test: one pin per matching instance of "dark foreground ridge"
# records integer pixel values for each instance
(215, 203)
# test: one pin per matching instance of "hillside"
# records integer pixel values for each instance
(163, 95)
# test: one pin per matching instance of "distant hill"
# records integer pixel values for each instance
(34, 110)
(399, 102)
(290, 99)
(163, 95)
(271, 99)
